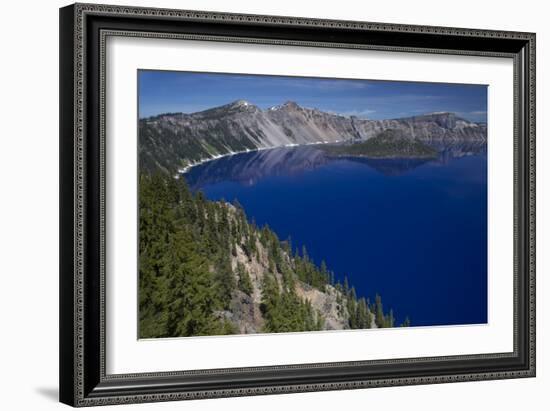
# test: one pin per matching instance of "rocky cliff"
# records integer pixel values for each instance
(204, 269)
(174, 141)
(329, 303)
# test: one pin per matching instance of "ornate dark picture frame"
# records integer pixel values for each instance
(83, 30)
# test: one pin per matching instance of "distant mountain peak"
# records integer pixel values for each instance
(445, 119)
(240, 103)
(287, 105)
(291, 104)
(241, 126)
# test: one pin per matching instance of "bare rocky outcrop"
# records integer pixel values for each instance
(245, 311)
(326, 302)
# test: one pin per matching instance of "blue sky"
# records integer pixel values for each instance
(171, 91)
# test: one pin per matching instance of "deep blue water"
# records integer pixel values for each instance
(413, 231)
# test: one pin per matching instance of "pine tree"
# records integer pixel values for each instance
(287, 245)
(325, 276)
(379, 312)
(389, 320)
(345, 289)
(190, 295)
(224, 282)
(363, 315)
(270, 303)
(352, 308)
(244, 282)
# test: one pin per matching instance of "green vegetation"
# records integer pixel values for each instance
(284, 311)
(164, 147)
(190, 276)
(388, 144)
(245, 284)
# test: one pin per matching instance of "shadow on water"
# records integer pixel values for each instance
(249, 168)
(391, 166)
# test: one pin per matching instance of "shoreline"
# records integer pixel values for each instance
(393, 157)
(186, 169)
(183, 170)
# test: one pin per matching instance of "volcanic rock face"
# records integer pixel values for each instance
(174, 141)
(245, 311)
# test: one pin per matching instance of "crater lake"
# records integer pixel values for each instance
(411, 230)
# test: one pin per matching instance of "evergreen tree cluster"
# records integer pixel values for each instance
(284, 311)
(186, 278)
(309, 273)
(185, 271)
(359, 309)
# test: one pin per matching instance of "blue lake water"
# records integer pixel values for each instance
(413, 231)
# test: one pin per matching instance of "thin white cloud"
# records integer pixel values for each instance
(358, 113)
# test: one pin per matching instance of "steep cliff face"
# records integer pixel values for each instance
(435, 127)
(174, 141)
(245, 312)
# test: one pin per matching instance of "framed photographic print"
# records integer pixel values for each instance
(260, 204)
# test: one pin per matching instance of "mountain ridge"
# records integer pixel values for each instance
(174, 141)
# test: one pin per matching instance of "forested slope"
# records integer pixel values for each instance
(205, 269)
